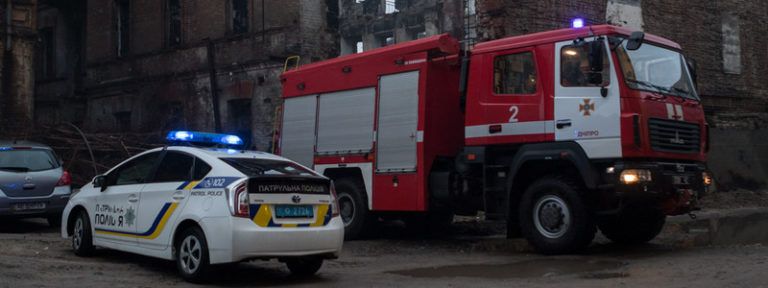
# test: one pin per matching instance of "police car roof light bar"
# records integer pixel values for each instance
(212, 139)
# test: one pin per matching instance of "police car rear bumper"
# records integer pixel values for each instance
(249, 241)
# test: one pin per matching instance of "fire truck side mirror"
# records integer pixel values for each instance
(692, 70)
(635, 40)
(596, 56)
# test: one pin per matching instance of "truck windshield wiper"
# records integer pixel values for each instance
(649, 85)
(17, 169)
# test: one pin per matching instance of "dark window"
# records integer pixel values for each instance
(575, 70)
(514, 74)
(201, 169)
(47, 54)
(123, 121)
(256, 167)
(174, 22)
(239, 16)
(123, 15)
(135, 171)
(25, 160)
(175, 167)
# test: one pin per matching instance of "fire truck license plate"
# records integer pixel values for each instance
(294, 211)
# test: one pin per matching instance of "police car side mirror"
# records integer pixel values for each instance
(100, 181)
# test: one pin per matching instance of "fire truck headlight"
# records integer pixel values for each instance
(633, 176)
(706, 178)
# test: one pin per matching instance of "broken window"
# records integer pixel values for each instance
(123, 18)
(123, 121)
(389, 7)
(174, 22)
(239, 16)
(386, 40)
(45, 65)
(239, 112)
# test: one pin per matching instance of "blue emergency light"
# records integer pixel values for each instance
(204, 138)
(6, 148)
(577, 23)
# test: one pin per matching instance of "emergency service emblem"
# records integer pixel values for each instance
(130, 216)
(296, 199)
(587, 108)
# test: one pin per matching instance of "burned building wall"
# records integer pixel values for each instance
(17, 76)
(183, 56)
(369, 24)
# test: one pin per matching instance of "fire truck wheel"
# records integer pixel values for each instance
(634, 225)
(554, 217)
(353, 208)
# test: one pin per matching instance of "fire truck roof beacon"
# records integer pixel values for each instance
(577, 23)
(206, 138)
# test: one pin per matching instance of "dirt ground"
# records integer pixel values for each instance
(33, 255)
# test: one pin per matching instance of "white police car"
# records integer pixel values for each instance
(205, 206)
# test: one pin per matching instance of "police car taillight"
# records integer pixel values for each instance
(239, 204)
(335, 205)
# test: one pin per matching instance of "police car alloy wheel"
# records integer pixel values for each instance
(82, 241)
(192, 255)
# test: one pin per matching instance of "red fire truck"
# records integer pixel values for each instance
(560, 133)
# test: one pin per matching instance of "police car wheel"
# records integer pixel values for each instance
(554, 218)
(304, 267)
(352, 207)
(82, 240)
(192, 255)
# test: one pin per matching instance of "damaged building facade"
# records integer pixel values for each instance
(17, 49)
(149, 66)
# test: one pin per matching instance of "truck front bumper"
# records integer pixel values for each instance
(674, 186)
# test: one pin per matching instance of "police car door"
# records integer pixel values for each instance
(587, 110)
(118, 203)
(163, 199)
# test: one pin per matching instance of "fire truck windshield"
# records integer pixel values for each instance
(656, 69)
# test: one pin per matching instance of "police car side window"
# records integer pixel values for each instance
(135, 171)
(175, 167)
(200, 169)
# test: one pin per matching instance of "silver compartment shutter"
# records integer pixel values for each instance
(398, 119)
(346, 121)
(298, 139)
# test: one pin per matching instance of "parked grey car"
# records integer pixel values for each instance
(32, 182)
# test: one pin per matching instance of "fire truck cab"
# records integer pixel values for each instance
(559, 132)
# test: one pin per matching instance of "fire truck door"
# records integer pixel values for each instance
(586, 112)
(397, 133)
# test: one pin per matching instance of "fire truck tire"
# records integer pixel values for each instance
(554, 217)
(634, 225)
(353, 208)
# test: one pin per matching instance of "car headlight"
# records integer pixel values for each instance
(633, 176)
(706, 178)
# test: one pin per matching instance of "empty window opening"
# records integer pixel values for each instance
(359, 47)
(174, 22)
(389, 7)
(45, 65)
(123, 26)
(239, 16)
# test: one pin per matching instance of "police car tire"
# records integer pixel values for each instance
(304, 267)
(358, 224)
(201, 273)
(581, 228)
(85, 246)
(635, 225)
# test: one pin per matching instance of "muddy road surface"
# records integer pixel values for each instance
(473, 255)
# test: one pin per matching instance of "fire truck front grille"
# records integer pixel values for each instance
(674, 136)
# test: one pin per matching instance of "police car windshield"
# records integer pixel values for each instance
(259, 167)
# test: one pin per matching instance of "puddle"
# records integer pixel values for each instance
(526, 269)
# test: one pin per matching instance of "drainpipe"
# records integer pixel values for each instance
(214, 84)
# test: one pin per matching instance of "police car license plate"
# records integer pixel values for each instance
(294, 211)
(29, 206)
